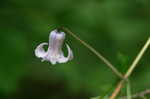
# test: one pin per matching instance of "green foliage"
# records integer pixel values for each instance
(98, 97)
(123, 62)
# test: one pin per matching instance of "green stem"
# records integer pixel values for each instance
(128, 86)
(130, 70)
(94, 51)
(137, 59)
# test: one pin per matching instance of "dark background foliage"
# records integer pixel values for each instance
(116, 28)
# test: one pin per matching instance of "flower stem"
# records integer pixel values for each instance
(94, 51)
(130, 70)
(137, 59)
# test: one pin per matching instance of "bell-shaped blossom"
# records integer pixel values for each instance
(54, 53)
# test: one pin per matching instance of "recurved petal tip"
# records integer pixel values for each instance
(70, 53)
(63, 59)
(39, 51)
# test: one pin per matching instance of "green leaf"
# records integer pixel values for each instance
(123, 62)
(99, 97)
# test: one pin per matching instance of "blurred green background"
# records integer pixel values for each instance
(116, 28)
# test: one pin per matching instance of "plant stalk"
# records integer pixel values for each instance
(130, 70)
(94, 51)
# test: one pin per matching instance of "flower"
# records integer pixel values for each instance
(54, 54)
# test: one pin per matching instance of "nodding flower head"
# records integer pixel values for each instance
(54, 53)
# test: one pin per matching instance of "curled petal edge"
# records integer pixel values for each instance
(70, 56)
(39, 51)
(70, 53)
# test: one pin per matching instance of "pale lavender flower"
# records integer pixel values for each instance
(54, 54)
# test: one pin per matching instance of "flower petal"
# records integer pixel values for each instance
(56, 40)
(39, 51)
(53, 61)
(63, 59)
(70, 53)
